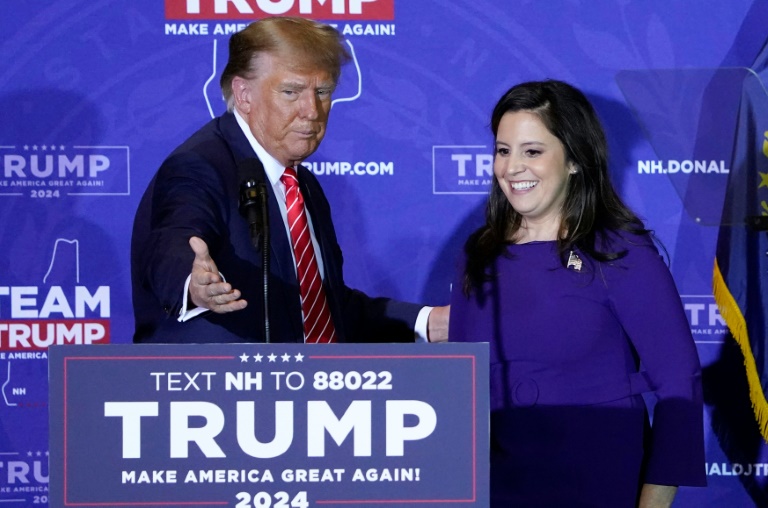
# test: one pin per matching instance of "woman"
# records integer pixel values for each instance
(582, 317)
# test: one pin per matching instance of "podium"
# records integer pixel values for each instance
(269, 425)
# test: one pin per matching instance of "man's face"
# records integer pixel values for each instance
(286, 107)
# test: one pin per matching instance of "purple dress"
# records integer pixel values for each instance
(571, 353)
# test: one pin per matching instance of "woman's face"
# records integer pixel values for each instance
(531, 167)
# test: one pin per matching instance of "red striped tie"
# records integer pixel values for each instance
(318, 326)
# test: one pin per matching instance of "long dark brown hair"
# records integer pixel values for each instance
(591, 208)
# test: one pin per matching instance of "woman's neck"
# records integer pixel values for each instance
(534, 231)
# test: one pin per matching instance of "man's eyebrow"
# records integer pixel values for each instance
(293, 84)
(302, 85)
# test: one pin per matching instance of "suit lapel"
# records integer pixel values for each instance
(281, 265)
(280, 247)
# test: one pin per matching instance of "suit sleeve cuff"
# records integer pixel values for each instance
(420, 328)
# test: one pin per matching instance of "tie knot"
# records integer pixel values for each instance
(290, 178)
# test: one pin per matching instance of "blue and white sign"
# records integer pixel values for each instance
(269, 425)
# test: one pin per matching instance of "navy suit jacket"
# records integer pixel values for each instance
(195, 193)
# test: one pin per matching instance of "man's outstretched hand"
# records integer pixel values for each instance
(437, 324)
(206, 288)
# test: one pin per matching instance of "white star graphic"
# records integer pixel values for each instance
(286, 357)
(61, 147)
(272, 357)
(243, 358)
(299, 357)
(258, 357)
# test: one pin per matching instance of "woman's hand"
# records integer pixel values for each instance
(656, 496)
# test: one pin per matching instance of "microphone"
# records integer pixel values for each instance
(252, 206)
(252, 195)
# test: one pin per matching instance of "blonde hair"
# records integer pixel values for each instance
(314, 44)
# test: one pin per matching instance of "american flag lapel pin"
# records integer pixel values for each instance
(574, 262)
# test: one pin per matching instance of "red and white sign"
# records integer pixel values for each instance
(378, 10)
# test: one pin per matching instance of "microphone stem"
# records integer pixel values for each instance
(265, 259)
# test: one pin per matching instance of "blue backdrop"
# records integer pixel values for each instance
(94, 94)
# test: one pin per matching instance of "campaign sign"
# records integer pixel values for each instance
(277, 425)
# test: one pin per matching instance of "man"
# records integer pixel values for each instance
(195, 273)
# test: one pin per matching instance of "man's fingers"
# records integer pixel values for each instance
(229, 306)
(203, 277)
(202, 255)
(199, 247)
(221, 291)
(227, 301)
(206, 288)
(203, 265)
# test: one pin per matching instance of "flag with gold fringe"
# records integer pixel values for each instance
(740, 280)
